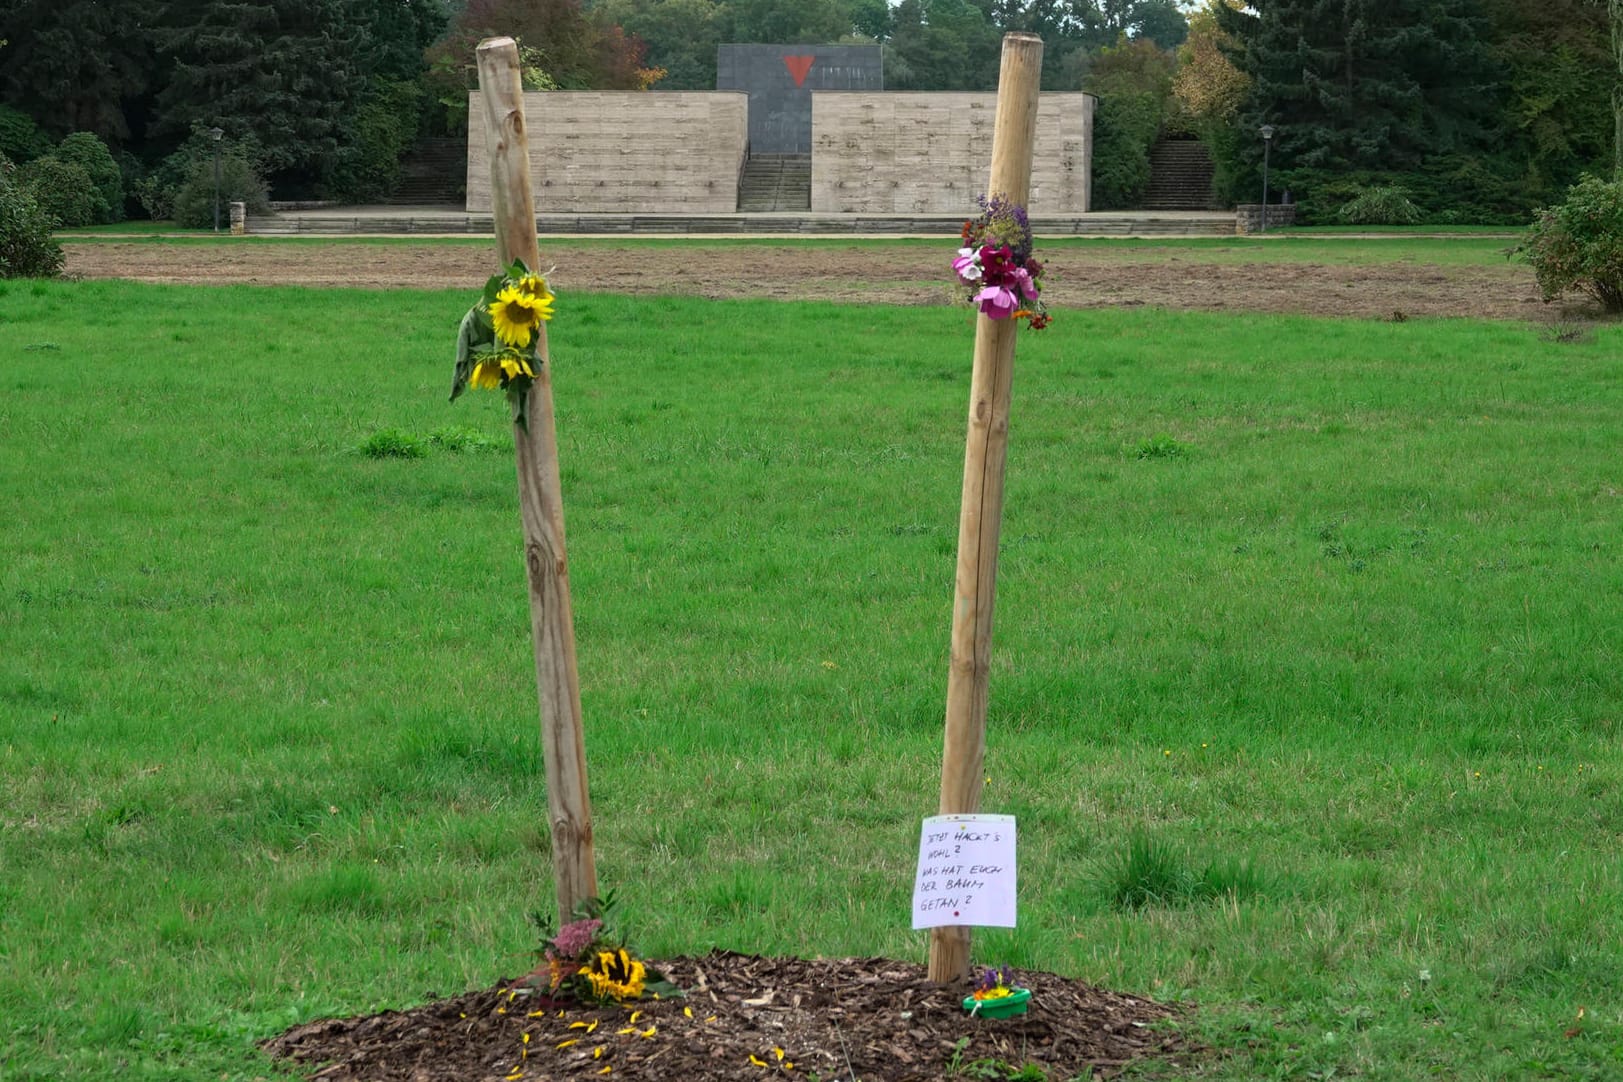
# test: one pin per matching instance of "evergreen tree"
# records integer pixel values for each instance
(277, 75)
(1362, 90)
(74, 65)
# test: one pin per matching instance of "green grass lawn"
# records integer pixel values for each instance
(1324, 613)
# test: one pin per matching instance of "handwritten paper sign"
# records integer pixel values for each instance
(966, 872)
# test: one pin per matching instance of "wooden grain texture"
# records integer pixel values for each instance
(981, 512)
(541, 509)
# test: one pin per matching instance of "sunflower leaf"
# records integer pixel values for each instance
(465, 343)
(492, 287)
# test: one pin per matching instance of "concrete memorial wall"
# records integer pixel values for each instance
(930, 152)
(624, 152)
(780, 81)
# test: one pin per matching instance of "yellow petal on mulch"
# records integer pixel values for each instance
(688, 1011)
(597, 1053)
(628, 1029)
(649, 1032)
(634, 1016)
(757, 1060)
(566, 1044)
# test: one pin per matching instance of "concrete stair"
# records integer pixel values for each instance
(1180, 176)
(772, 183)
(433, 173)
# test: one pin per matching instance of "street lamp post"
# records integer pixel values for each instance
(216, 134)
(1267, 131)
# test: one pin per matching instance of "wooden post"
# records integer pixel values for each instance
(541, 508)
(981, 514)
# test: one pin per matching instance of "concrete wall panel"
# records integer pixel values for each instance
(930, 153)
(624, 152)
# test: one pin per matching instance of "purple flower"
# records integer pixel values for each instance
(996, 302)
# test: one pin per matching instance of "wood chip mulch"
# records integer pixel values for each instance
(747, 1017)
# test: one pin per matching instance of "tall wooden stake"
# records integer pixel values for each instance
(541, 508)
(981, 515)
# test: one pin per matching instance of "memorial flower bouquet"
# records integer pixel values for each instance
(584, 963)
(498, 344)
(995, 264)
(996, 995)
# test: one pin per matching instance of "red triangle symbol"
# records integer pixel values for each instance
(798, 67)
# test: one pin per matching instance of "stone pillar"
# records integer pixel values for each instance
(239, 219)
(1248, 216)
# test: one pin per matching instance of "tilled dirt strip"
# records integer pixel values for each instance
(1078, 277)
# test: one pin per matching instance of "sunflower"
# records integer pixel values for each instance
(487, 374)
(534, 285)
(515, 316)
(615, 975)
(515, 364)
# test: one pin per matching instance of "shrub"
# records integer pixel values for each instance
(192, 166)
(379, 133)
(20, 138)
(194, 202)
(1386, 205)
(27, 249)
(63, 189)
(91, 154)
(1124, 129)
(1579, 244)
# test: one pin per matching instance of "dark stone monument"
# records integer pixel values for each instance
(780, 79)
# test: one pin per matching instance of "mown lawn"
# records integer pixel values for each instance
(1326, 612)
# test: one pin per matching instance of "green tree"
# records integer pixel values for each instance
(280, 75)
(681, 36)
(941, 45)
(810, 22)
(1363, 91)
(76, 65)
(1552, 125)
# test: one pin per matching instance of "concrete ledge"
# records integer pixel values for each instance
(426, 222)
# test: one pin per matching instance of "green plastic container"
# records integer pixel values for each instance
(1003, 1007)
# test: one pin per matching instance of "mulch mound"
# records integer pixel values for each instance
(747, 1017)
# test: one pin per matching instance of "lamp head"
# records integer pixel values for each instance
(1267, 131)
(216, 134)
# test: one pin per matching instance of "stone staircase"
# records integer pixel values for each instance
(775, 182)
(433, 173)
(1180, 176)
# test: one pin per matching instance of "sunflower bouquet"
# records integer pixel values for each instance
(582, 962)
(995, 264)
(498, 344)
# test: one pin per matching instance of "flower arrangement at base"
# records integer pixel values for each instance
(996, 996)
(498, 344)
(582, 962)
(996, 266)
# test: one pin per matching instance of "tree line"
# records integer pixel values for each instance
(1462, 110)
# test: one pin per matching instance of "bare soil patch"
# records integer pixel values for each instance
(1078, 277)
(746, 1017)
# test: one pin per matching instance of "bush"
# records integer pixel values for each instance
(20, 138)
(1124, 129)
(63, 190)
(91, 154)
(27, 249)
(379, 133)
(193, 206)
(1579, 244)
(1387, 205)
